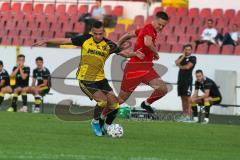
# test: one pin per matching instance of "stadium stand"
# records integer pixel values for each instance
(54, 20)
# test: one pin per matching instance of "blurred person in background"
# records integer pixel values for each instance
(186, 63)
(232, 38)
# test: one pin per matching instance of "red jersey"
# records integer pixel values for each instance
(141, 33)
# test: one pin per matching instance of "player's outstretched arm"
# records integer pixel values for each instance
(126, 37)
(56, 41)
(129, 54)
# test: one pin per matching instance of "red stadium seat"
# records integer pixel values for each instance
(184, 39)
(205, 13)
(28, 41)
(72, 9)
(139, 21)
(13, 33)
(120, 28)
(16, 41)
(182, 12)
(157, 9)
(118, 11)
(179, 30)
(16, 7)
(61, 9)
(21, 24)
(202, 49)
(11, 25)
(36, 33)
(49, 9)
(55, 27)
(172, 39)
(217, 13)
(161, 39)
(237, 50)
(164, 48)
(5, 7)
(59, 34)
(79, 27)
(108, 9)
(198, 22)
(194, 37)
(171, 11)
(149, 20)
(67, 27)
(221, 23)
(6, 41)
(186, 21)
(113, 36)
(168, 30)
(83, 9)
(25, 33)
(193, 12)
(214, 49)
(227, 49)
(229, 13)
(44, 25)
(175, 20)
(32, 25)
(177, 48)
(131, 27)
(47, 34)
(38, 9)
(191, 30)
(27, 8)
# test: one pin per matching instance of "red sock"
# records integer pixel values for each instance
(156, 95)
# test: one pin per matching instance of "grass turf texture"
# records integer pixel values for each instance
(38, 136)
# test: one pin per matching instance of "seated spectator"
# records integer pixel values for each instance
(232, 38)
(98, 12)
(209, 35)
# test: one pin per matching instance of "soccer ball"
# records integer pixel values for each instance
(115, 131)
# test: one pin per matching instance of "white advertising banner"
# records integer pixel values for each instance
(63, 64)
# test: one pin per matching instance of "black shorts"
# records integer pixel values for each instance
(184, 88)
(90, 87)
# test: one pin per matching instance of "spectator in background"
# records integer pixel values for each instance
(209, 34)
(186, 63)
(98, 12)
(96, 15)
(232, 38)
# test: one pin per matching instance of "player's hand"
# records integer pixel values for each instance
(139, 54)
(156, 57)
(39, 43)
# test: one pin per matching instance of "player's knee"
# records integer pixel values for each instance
(163, 90)
(102, 103)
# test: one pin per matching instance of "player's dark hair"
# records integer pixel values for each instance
(162, 15)
(97, 24)
(1, 63)
(199, 71)
(39, 59)
(210, 20)
(20, 56)
(187, 45)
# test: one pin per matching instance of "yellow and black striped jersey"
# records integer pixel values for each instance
(93, 57)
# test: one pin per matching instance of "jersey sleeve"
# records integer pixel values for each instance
(113, 47)
(193, 60)
(27, 70)
(14, 68)
(208, 85)
(34, 73)
(46, 75)
(146, 31)
(197, 86)
(79, 40)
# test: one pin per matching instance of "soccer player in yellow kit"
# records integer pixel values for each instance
(95, 51)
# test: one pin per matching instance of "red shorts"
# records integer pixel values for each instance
(137, 73)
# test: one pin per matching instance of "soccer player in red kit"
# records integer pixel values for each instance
(141, 70)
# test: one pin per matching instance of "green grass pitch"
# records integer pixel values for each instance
(42, 137)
